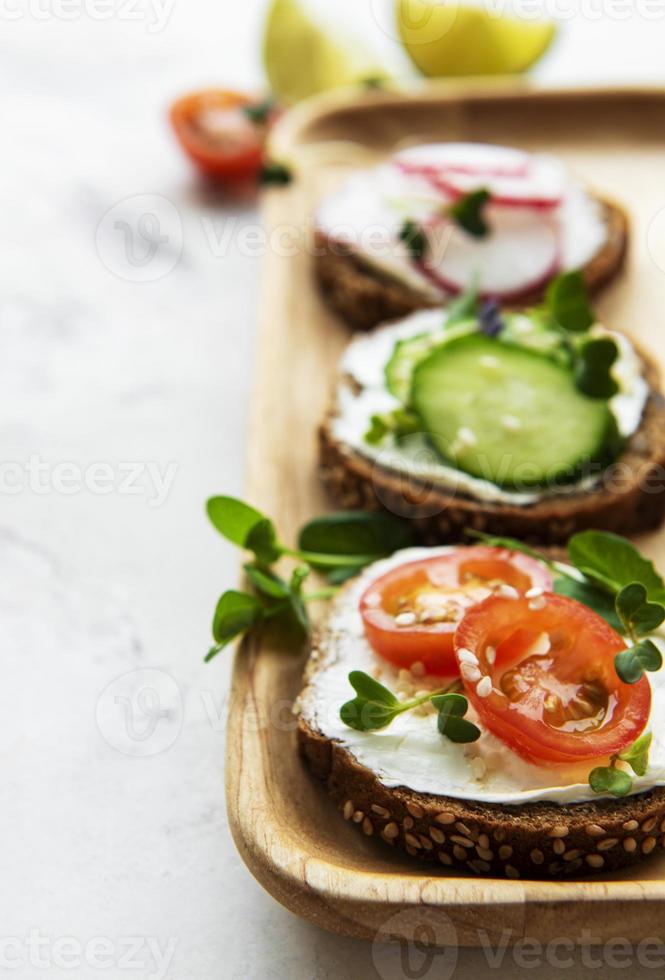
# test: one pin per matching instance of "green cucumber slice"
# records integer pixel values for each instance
(509, 415)
(410, 351)
(520, 329)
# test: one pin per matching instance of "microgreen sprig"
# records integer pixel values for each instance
(610, 576)
(375, 707)
(415, 239)
(336, 545)
(617, 781)
(468, 213)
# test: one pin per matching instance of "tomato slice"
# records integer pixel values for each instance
(540, 674)
(410, 614)
(224, 140)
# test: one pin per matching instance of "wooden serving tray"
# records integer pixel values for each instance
(287, 830)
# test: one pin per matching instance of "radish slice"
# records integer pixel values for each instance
(512, 177)
(520, 255)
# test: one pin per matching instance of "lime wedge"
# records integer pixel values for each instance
(302, 57)
(446, 39)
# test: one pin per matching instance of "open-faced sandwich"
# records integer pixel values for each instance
(534, 424)
(504, 721)
(413, 232)
(509, 709)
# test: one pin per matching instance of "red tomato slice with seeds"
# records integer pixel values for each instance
(220, 133)
(410, 614)
(540, 674)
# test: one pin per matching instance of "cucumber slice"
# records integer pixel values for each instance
(410, 351)
(509, 415)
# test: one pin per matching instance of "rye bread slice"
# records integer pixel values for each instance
(629, 499)
(532, 840)
(366, 297)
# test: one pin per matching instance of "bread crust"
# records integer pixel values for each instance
(635, 504)
(366, 297)
(534, 840)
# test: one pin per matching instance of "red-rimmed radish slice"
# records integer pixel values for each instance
(512, 177)
(519, 255)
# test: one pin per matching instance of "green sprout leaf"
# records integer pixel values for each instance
(631, 664)
(275, 175)
(639, 616)
(236, 613)
(613, 562)
(593, 369)
(468, 213)
(267, 583)
(259, 112)
(398, 423)
(373, 708)
(637, 756)
(607, 779)
(567, 301)
(451, 721)
(262, 540)
(466, 306)
(233, 518)
(366, 535)
(415, 239)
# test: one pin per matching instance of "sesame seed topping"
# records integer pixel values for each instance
(648, 825)
(511, 872)
(480, 867)
(505, 852)
(413, 841)
(437, 835)
(405, 619)
(648, 845)
(391, 830)
(484, 853)
(358, 816)
(571, 855)
(559, 831)
(470, 673)
(462, 841)
(459, 853)
(537, 856)
(380, 810)
(559, 847)
(484, 687)
(484, 841)
(426, 843)
(407, 823)
(595, 860)
(467, 657)
(593, 830)
(445, 858)
(348, 809)
(631, 825)
(608, 844)
(507, 591)
(630, 845)
(368, 827)
(445, 818)
(415, 810)
(463, 829)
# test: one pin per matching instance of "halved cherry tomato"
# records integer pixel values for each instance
(410, 614)
(540, 674)
(223, 132)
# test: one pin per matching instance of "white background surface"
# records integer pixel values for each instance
(98, 839)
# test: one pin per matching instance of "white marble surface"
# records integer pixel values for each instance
(107, 830)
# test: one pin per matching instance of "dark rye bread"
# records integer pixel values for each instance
(366, 297)
(534, 840)
(630, 499)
